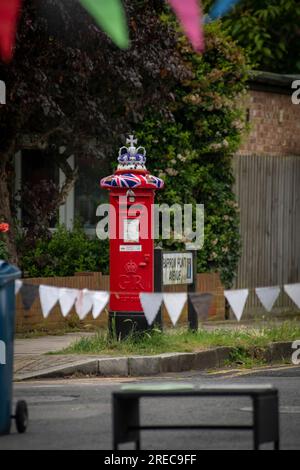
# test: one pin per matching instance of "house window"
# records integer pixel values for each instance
(35, 167)
(32, 166)
(88, 194)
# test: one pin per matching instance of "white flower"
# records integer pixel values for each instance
(171, 172)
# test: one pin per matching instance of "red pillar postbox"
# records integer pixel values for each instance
(132, 191)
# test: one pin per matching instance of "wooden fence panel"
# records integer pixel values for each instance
(268, 193)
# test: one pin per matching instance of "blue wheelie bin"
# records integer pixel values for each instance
(8, 275)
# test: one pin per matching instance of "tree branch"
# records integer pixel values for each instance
(41, 141)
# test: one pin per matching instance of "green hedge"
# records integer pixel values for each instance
(64, 254)
(3, 250)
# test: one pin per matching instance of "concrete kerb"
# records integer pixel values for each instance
(116, 366)
(144, 365)
(223, 355)
(136, 366)
(279, 351)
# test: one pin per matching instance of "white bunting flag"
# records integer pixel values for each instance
(268, 296)
(48, 297)
(293, 291)
(99, 299)
(151, 303)
(67, 298)
(174, 304)
(84, 303)
(237, 300)
(18, 285)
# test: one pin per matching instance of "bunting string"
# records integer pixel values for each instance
(87, 301)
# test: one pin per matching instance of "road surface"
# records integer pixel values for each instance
(76, 414)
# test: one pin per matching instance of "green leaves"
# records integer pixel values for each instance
(110, 16)
(3, 250)
(64, 254)
(269, 30)
(198, 142)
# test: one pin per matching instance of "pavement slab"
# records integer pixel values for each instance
(46, 344)
(38, 366)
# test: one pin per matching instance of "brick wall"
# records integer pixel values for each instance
(33, 319)
(275, 125)
(211, 282)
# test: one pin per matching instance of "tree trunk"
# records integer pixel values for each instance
(71, 176)
(6, 215)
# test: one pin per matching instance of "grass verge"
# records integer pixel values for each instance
(248, 343)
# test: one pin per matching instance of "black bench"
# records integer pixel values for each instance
(126, 410)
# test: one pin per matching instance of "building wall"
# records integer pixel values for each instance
(267, 174)
(275, 125)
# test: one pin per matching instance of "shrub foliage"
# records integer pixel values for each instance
(192, 148)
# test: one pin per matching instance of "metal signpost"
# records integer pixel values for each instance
(178, 268)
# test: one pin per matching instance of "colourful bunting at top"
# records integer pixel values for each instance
(9, 14)
(189, 14)
(110, 16)
(220, 8)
